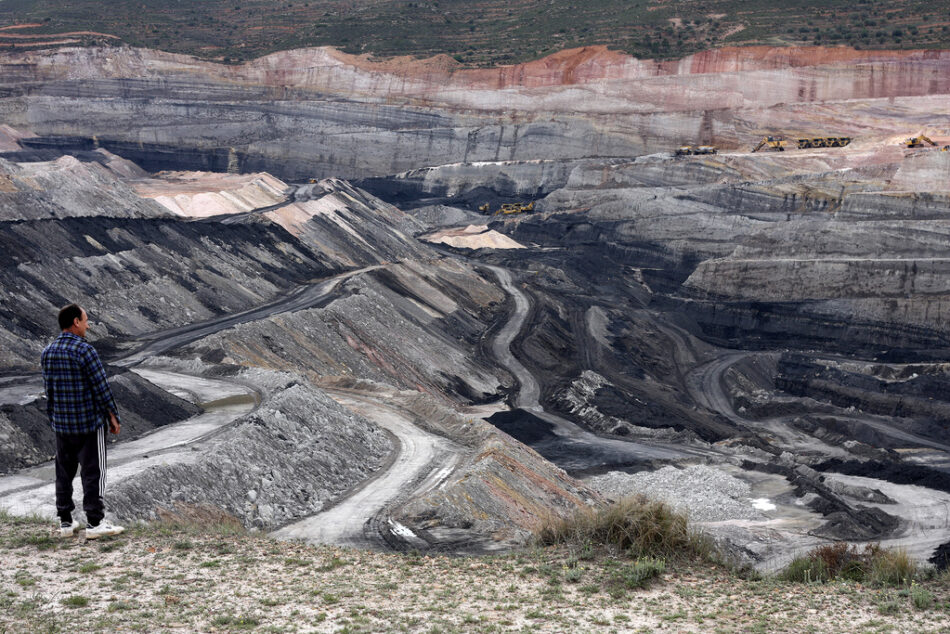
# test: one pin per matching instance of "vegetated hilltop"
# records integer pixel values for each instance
(181, 579)
(476, 33)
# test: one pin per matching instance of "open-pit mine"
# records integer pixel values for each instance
(404, 304)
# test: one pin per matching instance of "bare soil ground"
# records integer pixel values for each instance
(178, 578)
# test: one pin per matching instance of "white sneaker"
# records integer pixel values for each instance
(102, 530)
(68, 529)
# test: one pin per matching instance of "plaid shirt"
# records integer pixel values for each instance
(78, 397)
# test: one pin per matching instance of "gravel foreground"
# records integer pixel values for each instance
(174, 578)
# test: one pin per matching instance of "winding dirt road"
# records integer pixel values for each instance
(421, 462)
(577, 445)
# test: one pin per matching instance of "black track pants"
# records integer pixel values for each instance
(87, 452)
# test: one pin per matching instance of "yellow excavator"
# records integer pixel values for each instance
(918, 141)
(774, 143)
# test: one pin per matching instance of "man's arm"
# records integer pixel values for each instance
(99, 384)
(47, 388)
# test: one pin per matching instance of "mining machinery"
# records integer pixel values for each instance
(774, 143)
(508, 208)
(824, 141)
(514, 208)
(918, 141)
(688, 150)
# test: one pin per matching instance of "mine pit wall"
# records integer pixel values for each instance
(328, 114)
(297, 141)
(471, 185)
(921, 400)
(897, 205)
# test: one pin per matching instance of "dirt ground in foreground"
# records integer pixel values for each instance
(164, 578)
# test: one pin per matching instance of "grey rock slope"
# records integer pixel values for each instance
(500, 493)
(68, 187)
(138, 275)
(143, 271)
(293, 455)
(413, 325)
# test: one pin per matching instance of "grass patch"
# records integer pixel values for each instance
(636, 575)
(921, 598)
(335, 562)
(236, 622)
(870, 564)
(76, 601)
(38, 541)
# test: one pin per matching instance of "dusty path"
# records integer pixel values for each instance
(31, 492)
(422, 461)
(310, 296)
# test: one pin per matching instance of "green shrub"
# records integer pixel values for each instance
(922, 598)
(638, 574)
(76, 601)
(805, 570)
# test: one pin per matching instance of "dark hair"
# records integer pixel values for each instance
(67, 314)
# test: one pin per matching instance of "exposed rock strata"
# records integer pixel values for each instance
(411, 325)
(330, 114)
(135, 275)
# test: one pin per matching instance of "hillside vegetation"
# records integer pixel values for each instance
(181, 577)
(475, 33)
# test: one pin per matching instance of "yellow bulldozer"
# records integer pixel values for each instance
(824, 141)
(918, 141)
(508, 208)
(774, 143)
(515, 208)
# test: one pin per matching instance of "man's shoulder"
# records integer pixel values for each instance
(69, 343)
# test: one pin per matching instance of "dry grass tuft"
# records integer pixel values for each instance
(636, 525)
(198, 518)
(871, 563)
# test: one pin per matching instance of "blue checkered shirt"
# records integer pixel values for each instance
(78, 397)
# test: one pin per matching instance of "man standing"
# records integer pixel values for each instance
(79, 402)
